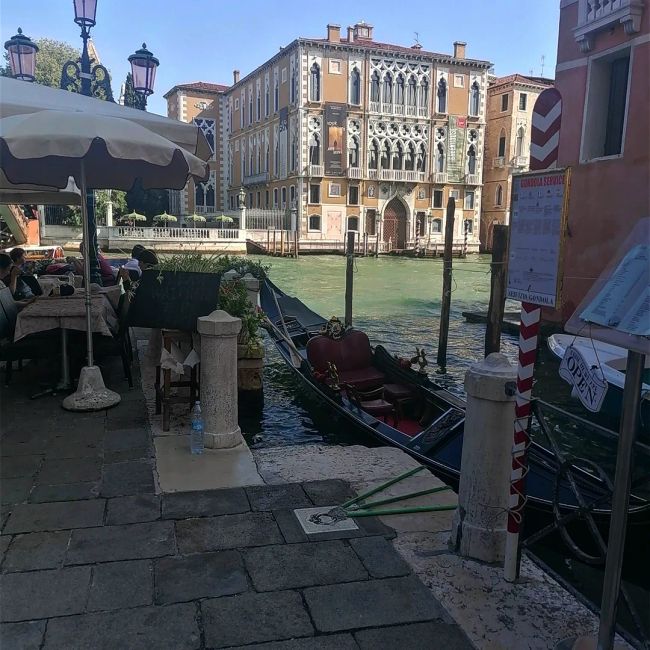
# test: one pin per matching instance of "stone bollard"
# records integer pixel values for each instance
(479, 528)
(252, 289)
(219, 379)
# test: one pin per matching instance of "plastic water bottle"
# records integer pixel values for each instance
(197, 441)
(71, 278)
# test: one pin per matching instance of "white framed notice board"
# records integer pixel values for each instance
(538, 213)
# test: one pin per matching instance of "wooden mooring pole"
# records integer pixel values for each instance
(349, 271)
(446, 283)
(295, 243)
(497, 289)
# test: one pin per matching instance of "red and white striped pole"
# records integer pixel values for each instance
(545, 136)
(528, 334)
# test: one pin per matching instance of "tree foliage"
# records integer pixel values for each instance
(101, 201)
(147, 202)
(131, 97)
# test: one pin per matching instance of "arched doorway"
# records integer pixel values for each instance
(395, 223)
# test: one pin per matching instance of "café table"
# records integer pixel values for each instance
(69, 313)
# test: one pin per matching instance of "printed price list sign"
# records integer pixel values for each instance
(537, 212)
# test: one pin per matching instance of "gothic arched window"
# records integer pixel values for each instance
(411, 97)
(424, 93)
(471, 159)
(399, 91)
(421, 163)
(374, 87)
(385, 155)
(373, 155)
(409, 162)
(440, 158)
(474, 98)
(355, 87)
(314, 149)
(398, 156)
(519, 145)
(353, 154)
(314, 83)
(388, 89)
(502, 144)
(442, 96)
(499, 197)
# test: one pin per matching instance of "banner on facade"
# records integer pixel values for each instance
(284, 140)
(456, 139)
(334, 158)
(538, 209)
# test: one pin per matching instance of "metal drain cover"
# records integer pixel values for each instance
(319, 520)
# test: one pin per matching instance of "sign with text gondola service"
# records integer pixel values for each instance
(334, 155)
(538, 209)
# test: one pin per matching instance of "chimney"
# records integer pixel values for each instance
(459, 49)
(235, 76)
(350, 34)
(416, 46)
(334, 33)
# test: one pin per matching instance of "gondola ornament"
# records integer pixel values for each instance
(421, 359)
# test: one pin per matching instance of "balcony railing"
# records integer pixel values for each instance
(205, 209)
(598, 15)
(423, 111)
(373, 174)
(439, 177)
(315, 170)
(375, 107)
(519, 161)
(401, 175)
(354, 172)
(253, 179)
(499, 162)
(387, 108)
(473, 179)
(171, 234)
(411, 111)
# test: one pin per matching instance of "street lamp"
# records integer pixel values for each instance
(143, 70)
(88, 79)
(22, 56)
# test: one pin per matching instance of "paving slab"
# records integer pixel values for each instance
(65, 470)
(379, 557)
(272, 497)
(203, 575)
(19, 466)
(130, 477)
(35, 517)
(173, 627)
(253, 618)
(116, 585)
(43, 594)
(227, 531)
(64, 492)
(181, 471)
(128, 542)
(134, 453)
(335, 608)
(23, 636)
(121, 439)
(15, 490)
(74, 447)
(37, 551)
(5, 540)
(329, 642)
(204, 503)
(133, 509)
(292, 566)
(417, 636)
(328, 492)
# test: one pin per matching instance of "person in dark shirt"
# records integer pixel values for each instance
(10, 276)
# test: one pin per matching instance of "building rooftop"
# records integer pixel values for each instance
(198, 86)
(523, 79)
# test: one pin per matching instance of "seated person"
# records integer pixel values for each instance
(132, 267)
(146, 259)
(106, 270)
(18, 257)
(10, 277)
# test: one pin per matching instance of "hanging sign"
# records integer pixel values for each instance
(588, 382)
(335, 117)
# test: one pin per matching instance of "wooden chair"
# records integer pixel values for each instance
(372, 402)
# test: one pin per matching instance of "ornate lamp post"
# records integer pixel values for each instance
(22, 56)
(82, 76)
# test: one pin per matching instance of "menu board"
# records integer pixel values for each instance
(623, 302)
(537, 213)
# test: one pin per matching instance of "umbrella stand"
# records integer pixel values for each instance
(91, 393)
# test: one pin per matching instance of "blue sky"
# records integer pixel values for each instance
(203, 40)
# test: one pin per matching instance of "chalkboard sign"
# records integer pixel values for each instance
(174, 299)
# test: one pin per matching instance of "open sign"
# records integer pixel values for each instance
(588, 381)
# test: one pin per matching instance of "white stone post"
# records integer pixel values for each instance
(479, 528)
(252, 289)
(219, 333)
(109, 212)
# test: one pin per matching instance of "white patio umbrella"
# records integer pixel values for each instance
(100, 152)
(37, 194)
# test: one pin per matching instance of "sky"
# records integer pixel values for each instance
(204, 40)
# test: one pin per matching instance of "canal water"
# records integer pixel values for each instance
(397, 303)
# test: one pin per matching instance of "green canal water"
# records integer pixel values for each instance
(397, 303)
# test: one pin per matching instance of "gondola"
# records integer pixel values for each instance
(427, 422)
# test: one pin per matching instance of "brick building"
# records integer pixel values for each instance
(507, 144)
(358, 135)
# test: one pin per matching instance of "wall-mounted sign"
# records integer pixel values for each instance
(335, 117)
(456, 140)
(588, 382)
(538, 210)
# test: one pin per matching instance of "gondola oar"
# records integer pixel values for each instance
(296, 359)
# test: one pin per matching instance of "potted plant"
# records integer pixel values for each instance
(233, 298)
(173, 295)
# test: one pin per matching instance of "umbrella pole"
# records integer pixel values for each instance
(87, 244)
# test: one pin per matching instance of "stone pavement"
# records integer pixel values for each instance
(93, 557)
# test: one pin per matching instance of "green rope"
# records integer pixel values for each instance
(401, 497)
(397, 511)
(383, 486)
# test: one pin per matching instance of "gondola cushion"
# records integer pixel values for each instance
(352, 356)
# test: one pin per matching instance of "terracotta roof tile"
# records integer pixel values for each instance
(204, 86)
